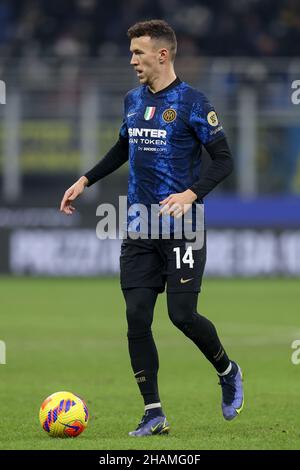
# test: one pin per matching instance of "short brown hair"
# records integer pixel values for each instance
(156, 29)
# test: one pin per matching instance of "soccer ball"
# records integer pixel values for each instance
(63, 414)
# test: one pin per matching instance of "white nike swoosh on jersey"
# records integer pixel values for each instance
(130, 114)
(183, 281)
(139, 372)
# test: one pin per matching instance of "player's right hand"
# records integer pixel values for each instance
(71, 194)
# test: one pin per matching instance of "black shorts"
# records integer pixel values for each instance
(153, 263)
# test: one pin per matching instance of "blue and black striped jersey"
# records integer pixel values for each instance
(162, 137)
(165, 132)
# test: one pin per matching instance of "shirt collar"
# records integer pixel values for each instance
(169, 87)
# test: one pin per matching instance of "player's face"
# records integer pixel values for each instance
(145, 58)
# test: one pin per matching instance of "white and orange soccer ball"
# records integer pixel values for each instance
(63, 414)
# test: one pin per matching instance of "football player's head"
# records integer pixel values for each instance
(153, 47)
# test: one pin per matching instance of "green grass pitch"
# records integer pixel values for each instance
(70, 334)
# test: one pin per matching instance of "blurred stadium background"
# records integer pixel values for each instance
(66, 69)
(65, 64)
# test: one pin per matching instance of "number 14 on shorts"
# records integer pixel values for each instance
(187, 257)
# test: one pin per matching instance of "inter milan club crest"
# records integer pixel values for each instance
(169, 115)
(149, 113)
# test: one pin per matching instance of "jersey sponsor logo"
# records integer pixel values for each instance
(145, 138)
(149, 113)
(169, 115)
(136, 132)
(212, 119)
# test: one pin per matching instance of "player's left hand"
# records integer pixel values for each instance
(178, 204)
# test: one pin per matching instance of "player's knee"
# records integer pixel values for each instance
(179, 316)
(181, 312)
(182, 323)
(139, 319)
(136, 309)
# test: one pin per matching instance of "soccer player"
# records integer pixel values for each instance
(166, 123)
